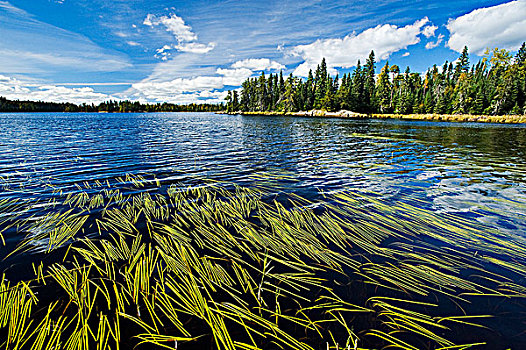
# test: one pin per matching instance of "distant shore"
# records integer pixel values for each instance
(506, 119)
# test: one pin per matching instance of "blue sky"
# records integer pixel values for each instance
(192, 51)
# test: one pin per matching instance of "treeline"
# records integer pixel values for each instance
(109, 106)
(495, 85)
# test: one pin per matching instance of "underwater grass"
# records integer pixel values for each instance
(216, 265)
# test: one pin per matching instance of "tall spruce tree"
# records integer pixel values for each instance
(357, 92)
(370, 84)
(383, 90)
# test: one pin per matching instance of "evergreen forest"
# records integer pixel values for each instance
(495, 85)
(109, 106)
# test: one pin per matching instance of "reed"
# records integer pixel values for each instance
(147, 264)
(506, 119)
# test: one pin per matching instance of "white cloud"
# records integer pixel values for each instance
(181, 91)
(203, 88)
(15, 89)
(200, 86)
(189, 90)
(155, 89)
(163, 53)
(500, 26)
(174, 24)
(258, 64)
(406, 54)
(383, 39)
(431, 45)
(133, 43)
(163, 49)
(195, 47)
(234, 77)
(429, 31)
(185, 37)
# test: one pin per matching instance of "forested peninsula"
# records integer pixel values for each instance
(494, 86)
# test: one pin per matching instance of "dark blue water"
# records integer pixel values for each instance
(475, 172)
(451, 167)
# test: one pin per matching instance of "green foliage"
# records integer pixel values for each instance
(108, 106)
(495, 85)
(384, 90)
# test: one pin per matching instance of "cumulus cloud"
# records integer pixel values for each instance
(206, 88)
(234, 77)
(429, 31)
(14, 89)
(198, 88)
(183, 34)
(173, 24)
(164, 52)
(155, 89)
(406, 54)
(383, 39)
(258, 64)
(189, 97)
(191, 90)
(432, 44)
(500, 26)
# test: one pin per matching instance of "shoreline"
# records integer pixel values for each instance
(502, 119)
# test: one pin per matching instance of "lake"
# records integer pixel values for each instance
(468, 173)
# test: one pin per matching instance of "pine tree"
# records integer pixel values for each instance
(369, 84)
(520, 58)
(462, 65)
(383, 90)
(520, 61)
(320, 84)
(235, 101)
(356, 100)
(478, 105)
(309, 92)
(289, 94)
(429, 104)
(228, 99)
(281, 84)
(327, 102)
(343, 93)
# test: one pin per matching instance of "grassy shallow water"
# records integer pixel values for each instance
(504, 119)
(149, 263)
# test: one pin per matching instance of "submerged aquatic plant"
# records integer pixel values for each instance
(146, 264)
